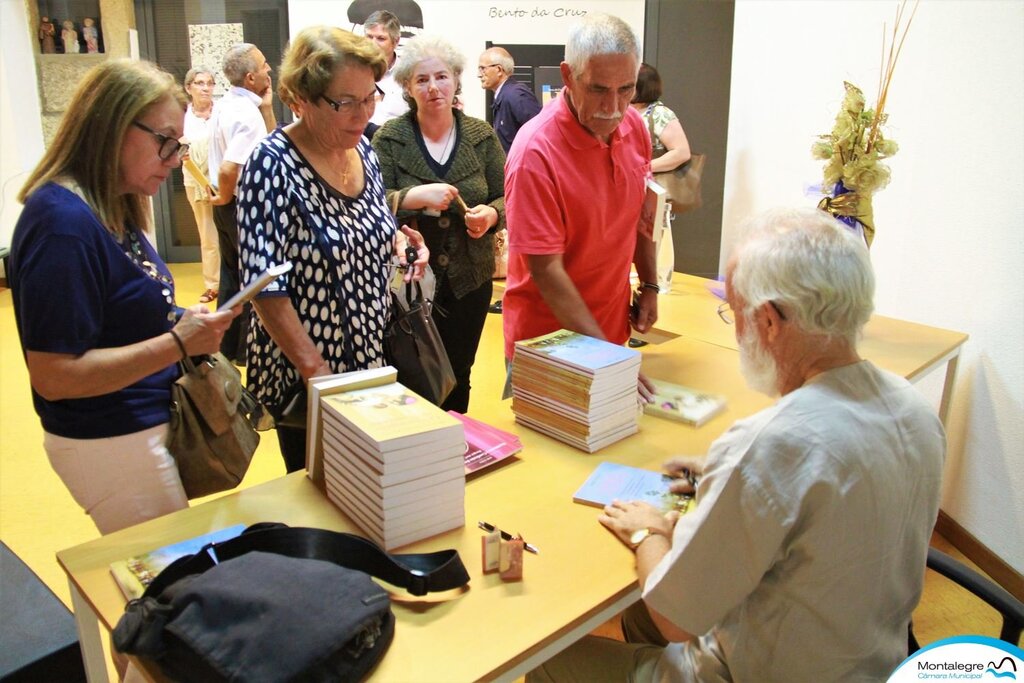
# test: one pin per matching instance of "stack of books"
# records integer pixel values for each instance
(393, 462)
(575, 388)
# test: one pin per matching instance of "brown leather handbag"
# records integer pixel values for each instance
(212, 435)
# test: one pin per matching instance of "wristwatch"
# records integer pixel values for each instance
(640, 535)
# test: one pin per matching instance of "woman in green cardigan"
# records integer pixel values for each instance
(446, 171)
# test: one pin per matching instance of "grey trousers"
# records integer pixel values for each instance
(594, 658)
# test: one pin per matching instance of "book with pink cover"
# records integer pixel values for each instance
(486, 445)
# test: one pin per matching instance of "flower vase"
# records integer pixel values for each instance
(855, 225)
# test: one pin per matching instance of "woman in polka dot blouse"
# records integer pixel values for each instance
(311, 193)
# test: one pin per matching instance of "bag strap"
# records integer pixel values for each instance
(417, 573)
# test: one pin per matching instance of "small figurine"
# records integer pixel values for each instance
(70, 37)
(91, 36)
(47, 31)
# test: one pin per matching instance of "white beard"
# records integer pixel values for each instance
(757, 366)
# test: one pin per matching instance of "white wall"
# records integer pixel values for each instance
(949, 250)
(21, 132)
(468, 24)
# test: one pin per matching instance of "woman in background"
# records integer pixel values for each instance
(311, 193)
(93, 302)
(669, 149)
(199, 83)
(668, 141)
(446, 170)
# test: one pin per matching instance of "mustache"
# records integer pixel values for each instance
(614, 116)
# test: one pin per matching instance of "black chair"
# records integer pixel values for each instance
(38, 640)
(1011, 609)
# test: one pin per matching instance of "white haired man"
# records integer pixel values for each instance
(385, 30)
(242, 118)
(804, 556)
(574, 193)
(514, 103)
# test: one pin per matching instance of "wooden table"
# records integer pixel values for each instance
(582, 576)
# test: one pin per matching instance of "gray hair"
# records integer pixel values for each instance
(813, 267)
(193, 73)
(387, 21)
(599, 34)
(502, 58)
(239, 61)
(424, 47)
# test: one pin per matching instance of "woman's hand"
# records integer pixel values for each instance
(201, 331)
(412, 238)
(480, 219)
(436, 196)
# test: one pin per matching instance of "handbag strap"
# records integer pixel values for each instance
(418, 573)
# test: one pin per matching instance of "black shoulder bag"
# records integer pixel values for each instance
(278, 604)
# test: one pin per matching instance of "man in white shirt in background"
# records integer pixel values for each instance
(804, 556)
(242, 118)
(384, 29)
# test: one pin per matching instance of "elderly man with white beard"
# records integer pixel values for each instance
(805, 553)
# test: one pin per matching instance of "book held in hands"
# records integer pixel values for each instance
(612, 481)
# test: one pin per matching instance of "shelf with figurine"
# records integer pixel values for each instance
(75, 37)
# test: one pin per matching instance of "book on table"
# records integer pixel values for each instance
(327, 385)
(393, 462)
(683, 404)
(613, 481)
(486, 445)
(575, 388)
(135, 573)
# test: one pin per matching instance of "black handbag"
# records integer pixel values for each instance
(212, 434)
(278, 604)
(413, 346)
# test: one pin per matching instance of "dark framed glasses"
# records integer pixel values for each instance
(168, 146)
(349, 107)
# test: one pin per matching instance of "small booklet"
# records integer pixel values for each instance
(250, 291)
(683, 404)
(486, 445)
(134, 574)
(652, 216)
(612, 481)
(196, 173)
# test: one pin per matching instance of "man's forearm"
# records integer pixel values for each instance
(561, 296)
(645, 259)
(648, 554)
(227, 179)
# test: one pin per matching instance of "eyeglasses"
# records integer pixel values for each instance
(349, 107)
(169, 147)
(480, 69)
(725, 312)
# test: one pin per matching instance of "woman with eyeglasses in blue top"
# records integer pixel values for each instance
(94, 303)
(311, 193)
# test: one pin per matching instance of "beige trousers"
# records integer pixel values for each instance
(208, 248)
(119, 481)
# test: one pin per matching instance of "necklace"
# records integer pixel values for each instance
(441, 156)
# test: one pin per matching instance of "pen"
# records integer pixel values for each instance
(508, 537)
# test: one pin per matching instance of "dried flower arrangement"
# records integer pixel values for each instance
(854, 149)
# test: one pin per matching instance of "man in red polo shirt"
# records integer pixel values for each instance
(574, 189)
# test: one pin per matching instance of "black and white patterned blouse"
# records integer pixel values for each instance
(287, 212)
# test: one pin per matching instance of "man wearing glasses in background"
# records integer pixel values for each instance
(241, 120)
(514, 105)
(384, 29)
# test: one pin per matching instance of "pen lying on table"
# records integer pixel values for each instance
(508, 537)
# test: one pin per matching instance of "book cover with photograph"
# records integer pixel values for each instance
(683, 404)
(135, 573)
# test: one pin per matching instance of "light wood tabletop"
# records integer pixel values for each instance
(582, 575)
